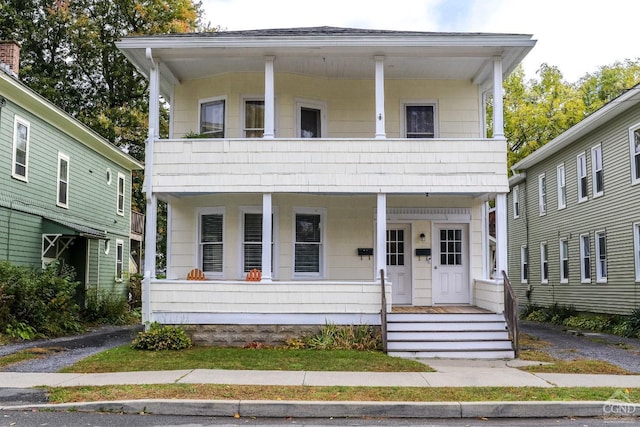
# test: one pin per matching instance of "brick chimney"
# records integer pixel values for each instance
(10, 55)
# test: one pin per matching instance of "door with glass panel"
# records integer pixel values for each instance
(450, 264)
(399, 263)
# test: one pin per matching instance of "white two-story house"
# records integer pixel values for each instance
(326, 158)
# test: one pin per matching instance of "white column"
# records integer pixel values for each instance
(485, 241)
(501, 236)
(380, 250)
(498, 114)
(380, 118)
(267, 227)
(269, 99)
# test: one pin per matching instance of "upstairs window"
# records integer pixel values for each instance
(562, 187)
(420, 121)
(601, 257)
(542, 194)
(63, 181)
(121, 192)
(582, 177)
(544, 263)
(515, 192)
(585, 258)
(21, 134)
(596, 166)
(634, 139)
(253, 118)
(212, 118)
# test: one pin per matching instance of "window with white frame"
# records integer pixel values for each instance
(544, 263)
(601, 256)
(524, 264)
(564, 261)
(63, 181)
(21, 134)
(420, 120)
(252, 240)
(515, 193)
(581, 166)
(596, 168)
(309, 241)
(212, 117)
(121, 193)
(119, 259)
(636, 248)
(253, 118)
(562, 187)
(542, 194)
(211, 241)
(634, 140)
(585, 258)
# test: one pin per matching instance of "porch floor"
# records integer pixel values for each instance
(448, 309)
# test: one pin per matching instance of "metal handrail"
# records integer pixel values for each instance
(383, 312)
(511, 313)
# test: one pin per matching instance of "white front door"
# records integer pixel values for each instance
(450, 263)
(399, 263)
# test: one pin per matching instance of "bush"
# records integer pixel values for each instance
(633, 323)
(160, 337)
(333, 337)
(599, 323)
(135, 291)
(107, 309)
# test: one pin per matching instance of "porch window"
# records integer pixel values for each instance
(451, 246)
(634, 139)
(601, 254)
(395, 247)
(252, 241)
(119, 259)
(63, 181)
(544, 263)
(420, 121)
(253, 118)
(211, 242)
(308, 244)
(585, 258)
(212, 118)
(21, 135)
(596, 165)
(582, 177)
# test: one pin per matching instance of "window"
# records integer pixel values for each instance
(601, 256)
(544, 263)
(311, 118)
(212, 118)
(515, 192)
(582, 177)
(636, 248)
(63, 181)
(524, 264)
(21, 134)
(121, 187)
(119, 259)
(564, 261)
(252, 240)
(585, 258)
(542, 194)
(634, 140)
(211, 242)
(308, 243)
(253, 118)
(420, 121)
(596, 166)
(562, 187)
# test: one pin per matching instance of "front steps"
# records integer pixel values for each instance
(448, 335)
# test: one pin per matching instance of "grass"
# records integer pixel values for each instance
(125, 359)
(306, 393)
(28, 354)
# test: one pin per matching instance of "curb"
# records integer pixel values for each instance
(324, 409)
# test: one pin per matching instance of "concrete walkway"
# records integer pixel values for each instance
(449, 373)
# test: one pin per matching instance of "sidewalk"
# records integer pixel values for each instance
(449, 373)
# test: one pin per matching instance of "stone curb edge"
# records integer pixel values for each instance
(324, 409)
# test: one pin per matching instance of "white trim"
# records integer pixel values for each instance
(636, 248)
(17, 120)
(433, 214)
(226, 113)
(635, 173)
(275, 232)
(65, 204)
(198, 261)
(542, 194)
(601, 273)
(594, 171)
(515, 195)
(404, 103)
(583, 278)
(564, 272)
(120, 243)
(581, 161)
(121, 195)
(315, 104)
(524, 264)
(190, 318)
(561, 180)
(544, 253)
(323, 243)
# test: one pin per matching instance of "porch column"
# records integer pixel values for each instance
(381, 236)
(380, 118)
(501, 236)
(267, 227)
(269, 99)
(498, 114)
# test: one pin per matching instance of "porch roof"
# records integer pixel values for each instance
(57, 226)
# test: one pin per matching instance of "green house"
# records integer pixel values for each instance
(574, 214)
(65, 192)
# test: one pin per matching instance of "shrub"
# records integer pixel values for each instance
(600, 323)
(107, 309)
(160, 337)
(528, 309)
(333, 337)
(633, 323)
(135, 291)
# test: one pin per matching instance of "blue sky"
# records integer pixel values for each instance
(577, 36)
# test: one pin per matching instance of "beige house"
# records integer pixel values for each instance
(324, 156)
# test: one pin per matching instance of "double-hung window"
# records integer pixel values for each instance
(596, 166)
(636, 248)
(542, 194)
(601, 256)
(63, 181)
(564, 261)
(309, 243)
(252, 240)
(21, 134)
(211, 241)
(524, 264)
(515, 193)
(420, 120)
(585, 258)
(634, 140)
(253, 118)
(121, 192)
(562, 187)
(544, 263)
(581, 166)
(212, 118)
(119, 259)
